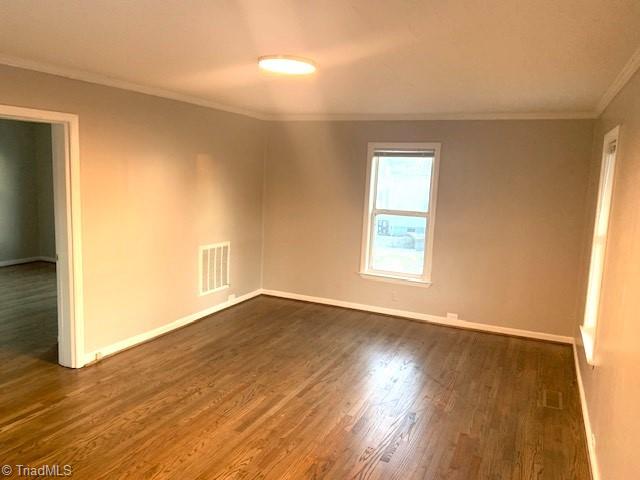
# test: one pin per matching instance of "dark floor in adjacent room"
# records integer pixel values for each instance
(275, 389)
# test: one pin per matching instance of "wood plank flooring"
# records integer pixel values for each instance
(279, 389)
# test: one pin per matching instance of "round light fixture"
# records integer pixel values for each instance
(286, 65)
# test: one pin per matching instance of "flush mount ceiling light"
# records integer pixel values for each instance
(286, 65)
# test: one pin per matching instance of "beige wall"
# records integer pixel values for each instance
(26, 191)
(509, 221)
(158, 178)
(612, 388)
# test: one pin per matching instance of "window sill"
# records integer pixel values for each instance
(398, 280)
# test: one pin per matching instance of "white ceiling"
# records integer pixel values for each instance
(374, 57)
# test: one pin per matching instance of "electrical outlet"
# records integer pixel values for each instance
(394, 295)
(231, 297)
(452, 316)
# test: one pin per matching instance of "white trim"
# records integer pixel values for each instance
(593, 459)
(370, 212)
(423, 317)
(34, 115)
(181, 322)
(628, 70)
(98, 79)
(20, 261)
(67, 217)
(372, 117)
(393, 279)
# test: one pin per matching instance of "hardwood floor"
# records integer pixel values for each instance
(279, 389)
(28, 314)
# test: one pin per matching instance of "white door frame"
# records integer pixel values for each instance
(66, 201)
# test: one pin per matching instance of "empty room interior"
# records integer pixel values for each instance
(288, 239)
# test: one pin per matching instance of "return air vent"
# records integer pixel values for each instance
(552, 399)
(214, 267)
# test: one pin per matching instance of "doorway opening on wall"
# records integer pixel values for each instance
(40, 255)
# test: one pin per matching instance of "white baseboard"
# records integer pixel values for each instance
(181, 322)
(423, 317)
(593, 459)
(19, 261)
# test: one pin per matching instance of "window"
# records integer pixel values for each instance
(400, 208)
(598, 247)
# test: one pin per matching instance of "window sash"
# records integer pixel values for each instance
(401, 213)
(405, 153)
(372, 227)
(399, 153)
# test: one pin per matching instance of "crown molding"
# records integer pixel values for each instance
(84, 76)
(89, 77)
(432, 116)
(619, 82)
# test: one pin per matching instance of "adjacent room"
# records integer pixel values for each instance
(28, 307)
(320, 240)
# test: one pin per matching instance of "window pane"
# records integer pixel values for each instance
(404, 183)
(398, 244)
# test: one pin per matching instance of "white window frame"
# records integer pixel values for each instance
(589, 327)
(370, 212)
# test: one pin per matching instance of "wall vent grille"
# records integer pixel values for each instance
(552, 399)
(214, 267)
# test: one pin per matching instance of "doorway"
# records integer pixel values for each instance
(66, 260)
